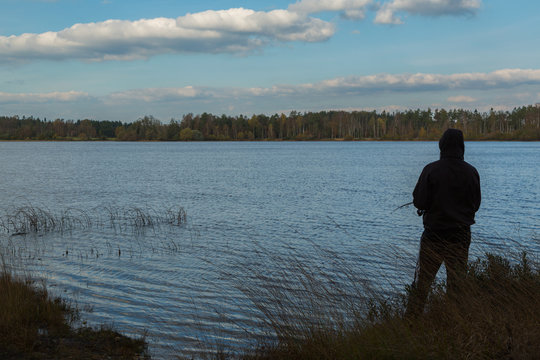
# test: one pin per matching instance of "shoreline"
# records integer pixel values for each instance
(35, 325)
(261, 140)
(496, 317)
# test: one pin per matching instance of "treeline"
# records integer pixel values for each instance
(30, 128)
(521, 123)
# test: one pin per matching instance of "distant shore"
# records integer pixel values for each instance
(520, 124)
(74, 139)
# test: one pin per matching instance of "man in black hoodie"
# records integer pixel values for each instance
(447, 196)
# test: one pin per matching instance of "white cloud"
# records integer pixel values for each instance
(225, 31)
(235, 31)
(381, 91)
(387, 13)
(350, 9)
(55, 96)
(397, 83)
(505, 78)
(301, 95)
(461, 99)
(283, 25)
(156, 94)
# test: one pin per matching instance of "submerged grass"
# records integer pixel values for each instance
(29, 219)
(497, 316)
(34, 325)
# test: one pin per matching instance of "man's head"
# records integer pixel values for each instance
(452, 144)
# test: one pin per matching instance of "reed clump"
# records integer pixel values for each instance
(175, 216)
(27, 219)
(495, 316)
(34, 325)
(31, 219)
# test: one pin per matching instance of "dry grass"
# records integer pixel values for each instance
(497, 316)
(35, 326)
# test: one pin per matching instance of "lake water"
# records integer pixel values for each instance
(248, 204)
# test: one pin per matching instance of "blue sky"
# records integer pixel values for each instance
(121, 60)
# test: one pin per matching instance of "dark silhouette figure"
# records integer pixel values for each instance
(447, 196)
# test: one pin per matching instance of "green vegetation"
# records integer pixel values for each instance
(35, 326)
(521, 123)
(496, 317)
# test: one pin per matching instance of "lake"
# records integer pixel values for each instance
(249, 206)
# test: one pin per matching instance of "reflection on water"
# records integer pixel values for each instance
(250, 207)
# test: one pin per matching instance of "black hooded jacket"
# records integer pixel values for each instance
(448, 190)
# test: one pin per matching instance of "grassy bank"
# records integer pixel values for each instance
(33, 325)
(497, 316)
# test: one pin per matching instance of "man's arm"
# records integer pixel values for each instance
(477, 193)
(421, 197)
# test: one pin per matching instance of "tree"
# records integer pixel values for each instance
(86, 130)
(186, 134)
(197, 135)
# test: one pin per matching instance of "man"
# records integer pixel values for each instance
(447, 196)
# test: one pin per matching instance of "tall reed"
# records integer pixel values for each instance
(496, 316)
(29, 218)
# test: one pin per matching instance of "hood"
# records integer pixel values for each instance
(452, 144)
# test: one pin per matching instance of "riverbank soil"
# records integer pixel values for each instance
(34, 325)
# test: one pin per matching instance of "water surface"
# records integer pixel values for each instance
(242, 198)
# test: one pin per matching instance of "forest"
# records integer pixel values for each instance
(521, 123)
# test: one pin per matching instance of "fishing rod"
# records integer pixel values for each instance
(419, 212)
(402, 206)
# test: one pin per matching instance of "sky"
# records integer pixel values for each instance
(122, 60)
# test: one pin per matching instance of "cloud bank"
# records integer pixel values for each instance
(158, 94)
(350, 9)
(56, 96)
(236, 31)
(461, 99)
(504, 78)
(504, 89)
(387, 13)
(391, 83)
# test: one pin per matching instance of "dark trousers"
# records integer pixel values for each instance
(448, 246)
